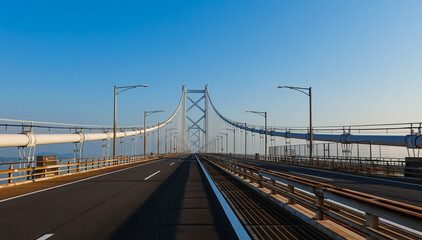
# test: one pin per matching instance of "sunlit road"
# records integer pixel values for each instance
(164, 199)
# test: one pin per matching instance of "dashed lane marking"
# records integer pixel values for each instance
(152, 175)
(45, 236)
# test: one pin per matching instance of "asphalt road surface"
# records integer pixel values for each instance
(163, 199)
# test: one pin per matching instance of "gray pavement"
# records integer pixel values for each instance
(164, 199)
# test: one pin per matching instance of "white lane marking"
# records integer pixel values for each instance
(328, 179)
(236, 224)
(66, 184)
(152, 175)
(171, 163)
(45, 236)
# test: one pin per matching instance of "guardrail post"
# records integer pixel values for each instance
(272, 184)
(319, 203)
(291, 190)
(372, 221)
(250, 176)
(10, 174)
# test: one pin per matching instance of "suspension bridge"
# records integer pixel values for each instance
(200, 174)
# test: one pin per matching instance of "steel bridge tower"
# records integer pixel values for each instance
(197, 125)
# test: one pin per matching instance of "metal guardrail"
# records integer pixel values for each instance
(394, 167)
(357, 211)
(384, 166)
(65, 166)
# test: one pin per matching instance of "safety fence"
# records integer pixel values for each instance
(392, 167)
(367, 215)
(380, 166)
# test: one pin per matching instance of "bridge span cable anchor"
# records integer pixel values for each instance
(78, 147)
(27, 153)
(106, 144)
(411, 141)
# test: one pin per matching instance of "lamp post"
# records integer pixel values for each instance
(309, 94)
(174, 140)
(246, 136)
(116, 92)
(227, 143)
(215, 145)
(219, 143)
(264, 114)
(177, 143)
(234, 140)
(146, 114)
(158, 138)
(171, 141)
(222, 142)
(167, 129)
(260, 142)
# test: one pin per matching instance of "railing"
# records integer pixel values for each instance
(394, 167)
(361, 213)
(377, 166)
(21, 172)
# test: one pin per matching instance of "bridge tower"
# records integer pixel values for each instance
(197, 121)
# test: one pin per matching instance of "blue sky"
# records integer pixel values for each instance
(59, 60)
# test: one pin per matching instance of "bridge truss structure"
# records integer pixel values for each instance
(193, 130)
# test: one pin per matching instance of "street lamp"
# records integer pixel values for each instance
(227, 143)
(218, 144)
(222, 142)
(246, 138)
(309, 94)
(264, 114)
(171, 140)
(177, 143)
(147, 113)
(215, 145)
(167, 129)
(116, 92)
(174, 140)
(158, 138)
(234, 139)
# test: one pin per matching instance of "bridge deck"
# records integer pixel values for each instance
(175, 203)
(406, 192)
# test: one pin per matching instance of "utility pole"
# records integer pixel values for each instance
(158, 139)
(246, 146)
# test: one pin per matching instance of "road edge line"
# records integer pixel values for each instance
(234, 221)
